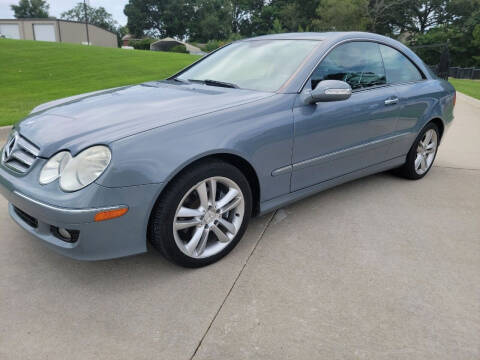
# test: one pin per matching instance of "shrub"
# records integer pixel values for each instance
(143, 44)
(179, 49)
(214, 45)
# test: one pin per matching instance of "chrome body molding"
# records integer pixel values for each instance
(330, 156)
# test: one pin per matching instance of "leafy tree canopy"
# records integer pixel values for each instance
(96, 16)
(31, 9)
(215, 21)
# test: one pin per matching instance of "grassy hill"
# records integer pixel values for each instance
(33, 72)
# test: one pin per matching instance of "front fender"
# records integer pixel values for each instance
(260, 133)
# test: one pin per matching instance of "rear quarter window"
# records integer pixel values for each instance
(398, 67)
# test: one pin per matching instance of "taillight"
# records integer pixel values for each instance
(454, 98)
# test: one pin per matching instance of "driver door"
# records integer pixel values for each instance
(336, 138)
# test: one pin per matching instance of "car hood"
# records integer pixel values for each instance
(104, 116)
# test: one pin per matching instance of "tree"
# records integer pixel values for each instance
(162, 17)
(341, 15)
(426, 14)
(31, 9)
(388, 17)
(96, 16)
(211, 20)
(459, 29)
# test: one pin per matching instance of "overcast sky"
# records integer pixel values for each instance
(114, 7)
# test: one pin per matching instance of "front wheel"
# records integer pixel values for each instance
(202, 214)
(422, 154)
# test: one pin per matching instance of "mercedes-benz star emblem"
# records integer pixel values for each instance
(9, 149)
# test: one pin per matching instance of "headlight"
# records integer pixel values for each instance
(85, 168)
(53, 168)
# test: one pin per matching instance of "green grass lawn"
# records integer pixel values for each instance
(33, 72)
(468, 87)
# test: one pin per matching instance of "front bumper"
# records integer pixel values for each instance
(51, 208)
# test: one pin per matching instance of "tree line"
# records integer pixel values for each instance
(452, 23)
(416, 22)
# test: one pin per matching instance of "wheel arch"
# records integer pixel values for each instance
(438, 121)
(234, 159)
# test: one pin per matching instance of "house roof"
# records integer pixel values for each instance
(190, 48)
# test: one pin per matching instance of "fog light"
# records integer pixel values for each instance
(65, 233)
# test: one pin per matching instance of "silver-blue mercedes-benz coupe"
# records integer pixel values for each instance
(184, 163)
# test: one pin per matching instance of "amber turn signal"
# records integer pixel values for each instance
(110, 214)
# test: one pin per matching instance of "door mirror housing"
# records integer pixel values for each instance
(328, 90)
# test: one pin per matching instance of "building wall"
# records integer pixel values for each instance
(76, 33)
(66, 31)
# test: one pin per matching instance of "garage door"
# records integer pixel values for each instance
(10, 31)
(44, 32)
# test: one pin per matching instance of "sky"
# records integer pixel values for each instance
(114, 7)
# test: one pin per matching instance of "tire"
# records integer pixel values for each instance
(411, 169)
(186, 224)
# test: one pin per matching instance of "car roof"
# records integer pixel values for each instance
(320, 36)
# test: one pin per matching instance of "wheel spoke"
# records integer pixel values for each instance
(213, 191)
(428, 137)
(229, 196)
(423, 164)
(418, 161)
(203, 242)
(221, 236)
(185, 224)
(233, 204)
(228, 225)
(193, 243)
(202, 194)
(188, 212)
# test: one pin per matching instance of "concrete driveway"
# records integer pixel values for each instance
(380, 268)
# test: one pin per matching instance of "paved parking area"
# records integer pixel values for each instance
(380, 268)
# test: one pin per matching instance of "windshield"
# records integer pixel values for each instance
(263, 65)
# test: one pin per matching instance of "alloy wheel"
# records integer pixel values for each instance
(208, 217)
(426, 150)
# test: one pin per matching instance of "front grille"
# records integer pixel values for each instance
(19, 154)
(30, 220)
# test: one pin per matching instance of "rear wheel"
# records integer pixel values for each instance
(422, 154)
(202, 215)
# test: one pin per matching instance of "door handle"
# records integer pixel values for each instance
(391, 101)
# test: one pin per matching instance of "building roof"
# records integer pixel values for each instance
(190, 48)
(50, 19)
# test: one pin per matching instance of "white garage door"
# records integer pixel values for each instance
(44, 32)
(10, 31)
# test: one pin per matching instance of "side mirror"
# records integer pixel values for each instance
(328, 90)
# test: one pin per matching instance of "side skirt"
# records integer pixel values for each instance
(270, 205)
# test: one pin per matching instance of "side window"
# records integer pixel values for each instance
(398, 67)
(357, 63)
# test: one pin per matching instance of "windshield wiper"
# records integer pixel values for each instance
(215, 83)
(179, 80)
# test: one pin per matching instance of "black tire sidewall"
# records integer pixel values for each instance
(161, 229)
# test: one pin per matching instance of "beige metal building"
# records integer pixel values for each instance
(51, 29)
